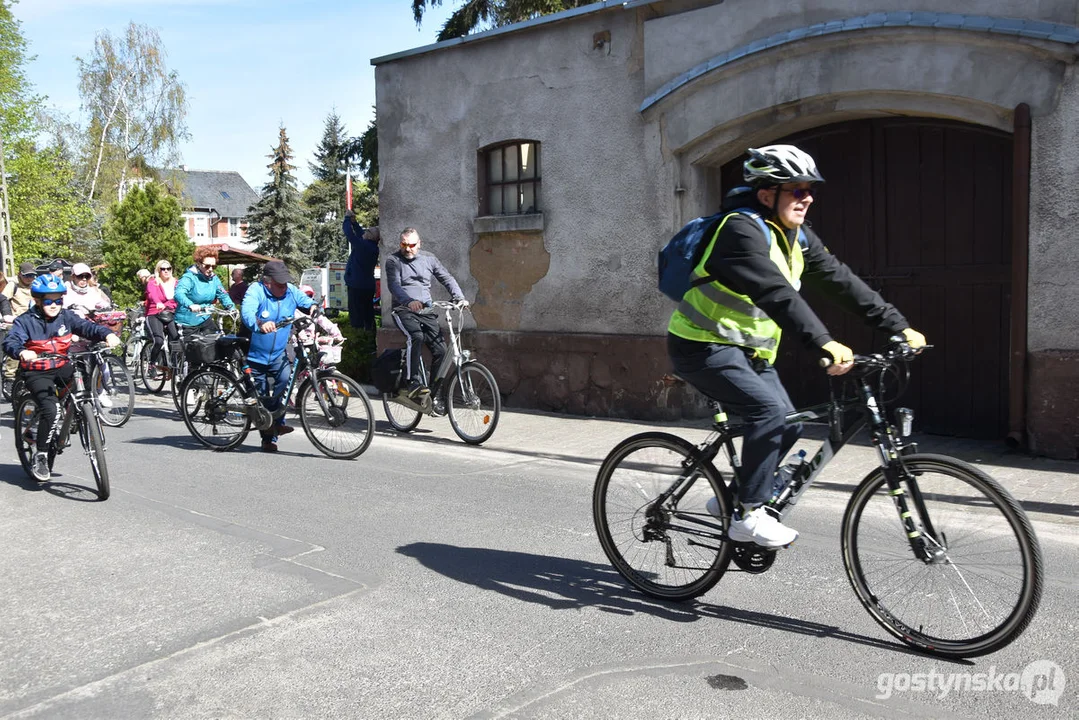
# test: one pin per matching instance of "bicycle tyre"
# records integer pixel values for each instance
(25, 416)
(474, 409)
(213, 409)
(122, 392)
(966, 501)
(93, 442)
(350, 415)
(180, 371)
(402, 418)
(649, 553)
(153, 379)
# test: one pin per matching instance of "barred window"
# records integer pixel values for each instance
(510, 178)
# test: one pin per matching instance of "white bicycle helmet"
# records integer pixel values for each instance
(778, 164)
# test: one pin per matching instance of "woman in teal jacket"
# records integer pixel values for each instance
(198, 289)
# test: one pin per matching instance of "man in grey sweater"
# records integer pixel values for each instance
(408, 276)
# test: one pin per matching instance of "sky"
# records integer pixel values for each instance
(249, 66)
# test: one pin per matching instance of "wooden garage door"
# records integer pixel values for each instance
(921, 210)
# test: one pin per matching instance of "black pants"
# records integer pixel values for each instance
(41, 384)
(206, 327)
(751, 390)
(158, 330)
(361, 308)
(420, 329)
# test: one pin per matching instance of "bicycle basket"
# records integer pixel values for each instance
(112, 319)
(330, 354)
(201, 349)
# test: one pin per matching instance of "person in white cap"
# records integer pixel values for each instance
(82, 297)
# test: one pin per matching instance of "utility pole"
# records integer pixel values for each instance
(7, 254)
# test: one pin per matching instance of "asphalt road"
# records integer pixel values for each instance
(429, 579)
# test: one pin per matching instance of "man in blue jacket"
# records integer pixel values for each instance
(360, 272)
(265, 305)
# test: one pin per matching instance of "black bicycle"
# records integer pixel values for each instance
(77, 409)
(937, 551)
(220, 402)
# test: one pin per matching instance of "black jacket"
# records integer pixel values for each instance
(740, 261)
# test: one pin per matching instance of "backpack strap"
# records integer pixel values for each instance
(762, 224)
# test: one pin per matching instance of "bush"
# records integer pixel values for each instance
(358, 352)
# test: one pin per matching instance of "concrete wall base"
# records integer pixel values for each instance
(1053, 403)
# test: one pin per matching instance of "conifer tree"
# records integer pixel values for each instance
(325, 196)
(277, 223)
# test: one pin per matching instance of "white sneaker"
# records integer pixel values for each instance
(41, 467)
(761, 528)
(104, 400)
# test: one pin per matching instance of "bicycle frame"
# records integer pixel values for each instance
(923, 539)
(456, 356)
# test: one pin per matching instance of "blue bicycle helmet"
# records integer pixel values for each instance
(47, 284)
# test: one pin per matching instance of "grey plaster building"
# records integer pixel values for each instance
(546, 163)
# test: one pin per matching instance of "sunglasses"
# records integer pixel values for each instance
(82, 277)
(52, 301)
(409, 245)
(209, 266)
(798, 193)
(166, 267)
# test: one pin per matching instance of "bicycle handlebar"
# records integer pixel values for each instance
(900, 350)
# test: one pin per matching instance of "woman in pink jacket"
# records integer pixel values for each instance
(160, 307)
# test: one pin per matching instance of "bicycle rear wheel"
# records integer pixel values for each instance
(983, 587)
(345, 428)
(180, 369)
(676, 550)
(473, 403)
(401, 417)
(26, 419)
(212, 405)
(93, 442)
(153, 379)
(117, 387)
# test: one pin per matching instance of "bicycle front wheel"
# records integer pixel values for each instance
(401, 417)
(983, 584)
(343, 428)
(672, 549)
(473, 403)
(180, 369)
(93, 442)
(153, 378)
(114, 392)
(212, 405)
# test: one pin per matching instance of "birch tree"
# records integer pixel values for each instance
(136, 105)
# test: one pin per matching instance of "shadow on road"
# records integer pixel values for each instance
(567, 584)
(14, 475)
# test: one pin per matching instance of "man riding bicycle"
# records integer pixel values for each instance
(409, 275)
(266, 304)
(47, 329)
(724, 336)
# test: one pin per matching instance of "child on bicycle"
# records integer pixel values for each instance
(330, 332)
(39, 339)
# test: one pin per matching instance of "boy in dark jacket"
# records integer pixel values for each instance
(39, 340)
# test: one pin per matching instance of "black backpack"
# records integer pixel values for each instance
(388, 370)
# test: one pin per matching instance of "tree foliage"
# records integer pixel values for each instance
(145, 227)
(46, 208)
(277, 223)
(137, 106)
(475, 15)
(16, 100)
(324, 198)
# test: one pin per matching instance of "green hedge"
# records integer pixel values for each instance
(359, 350)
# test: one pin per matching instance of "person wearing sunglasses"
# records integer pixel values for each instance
(199, 288)
(83, 296)
(724, 335)
(46, 330)
(408, 276)
(161, 311)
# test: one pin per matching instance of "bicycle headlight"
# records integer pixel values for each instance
(466, 355)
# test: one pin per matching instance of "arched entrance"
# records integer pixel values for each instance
(921, 210)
